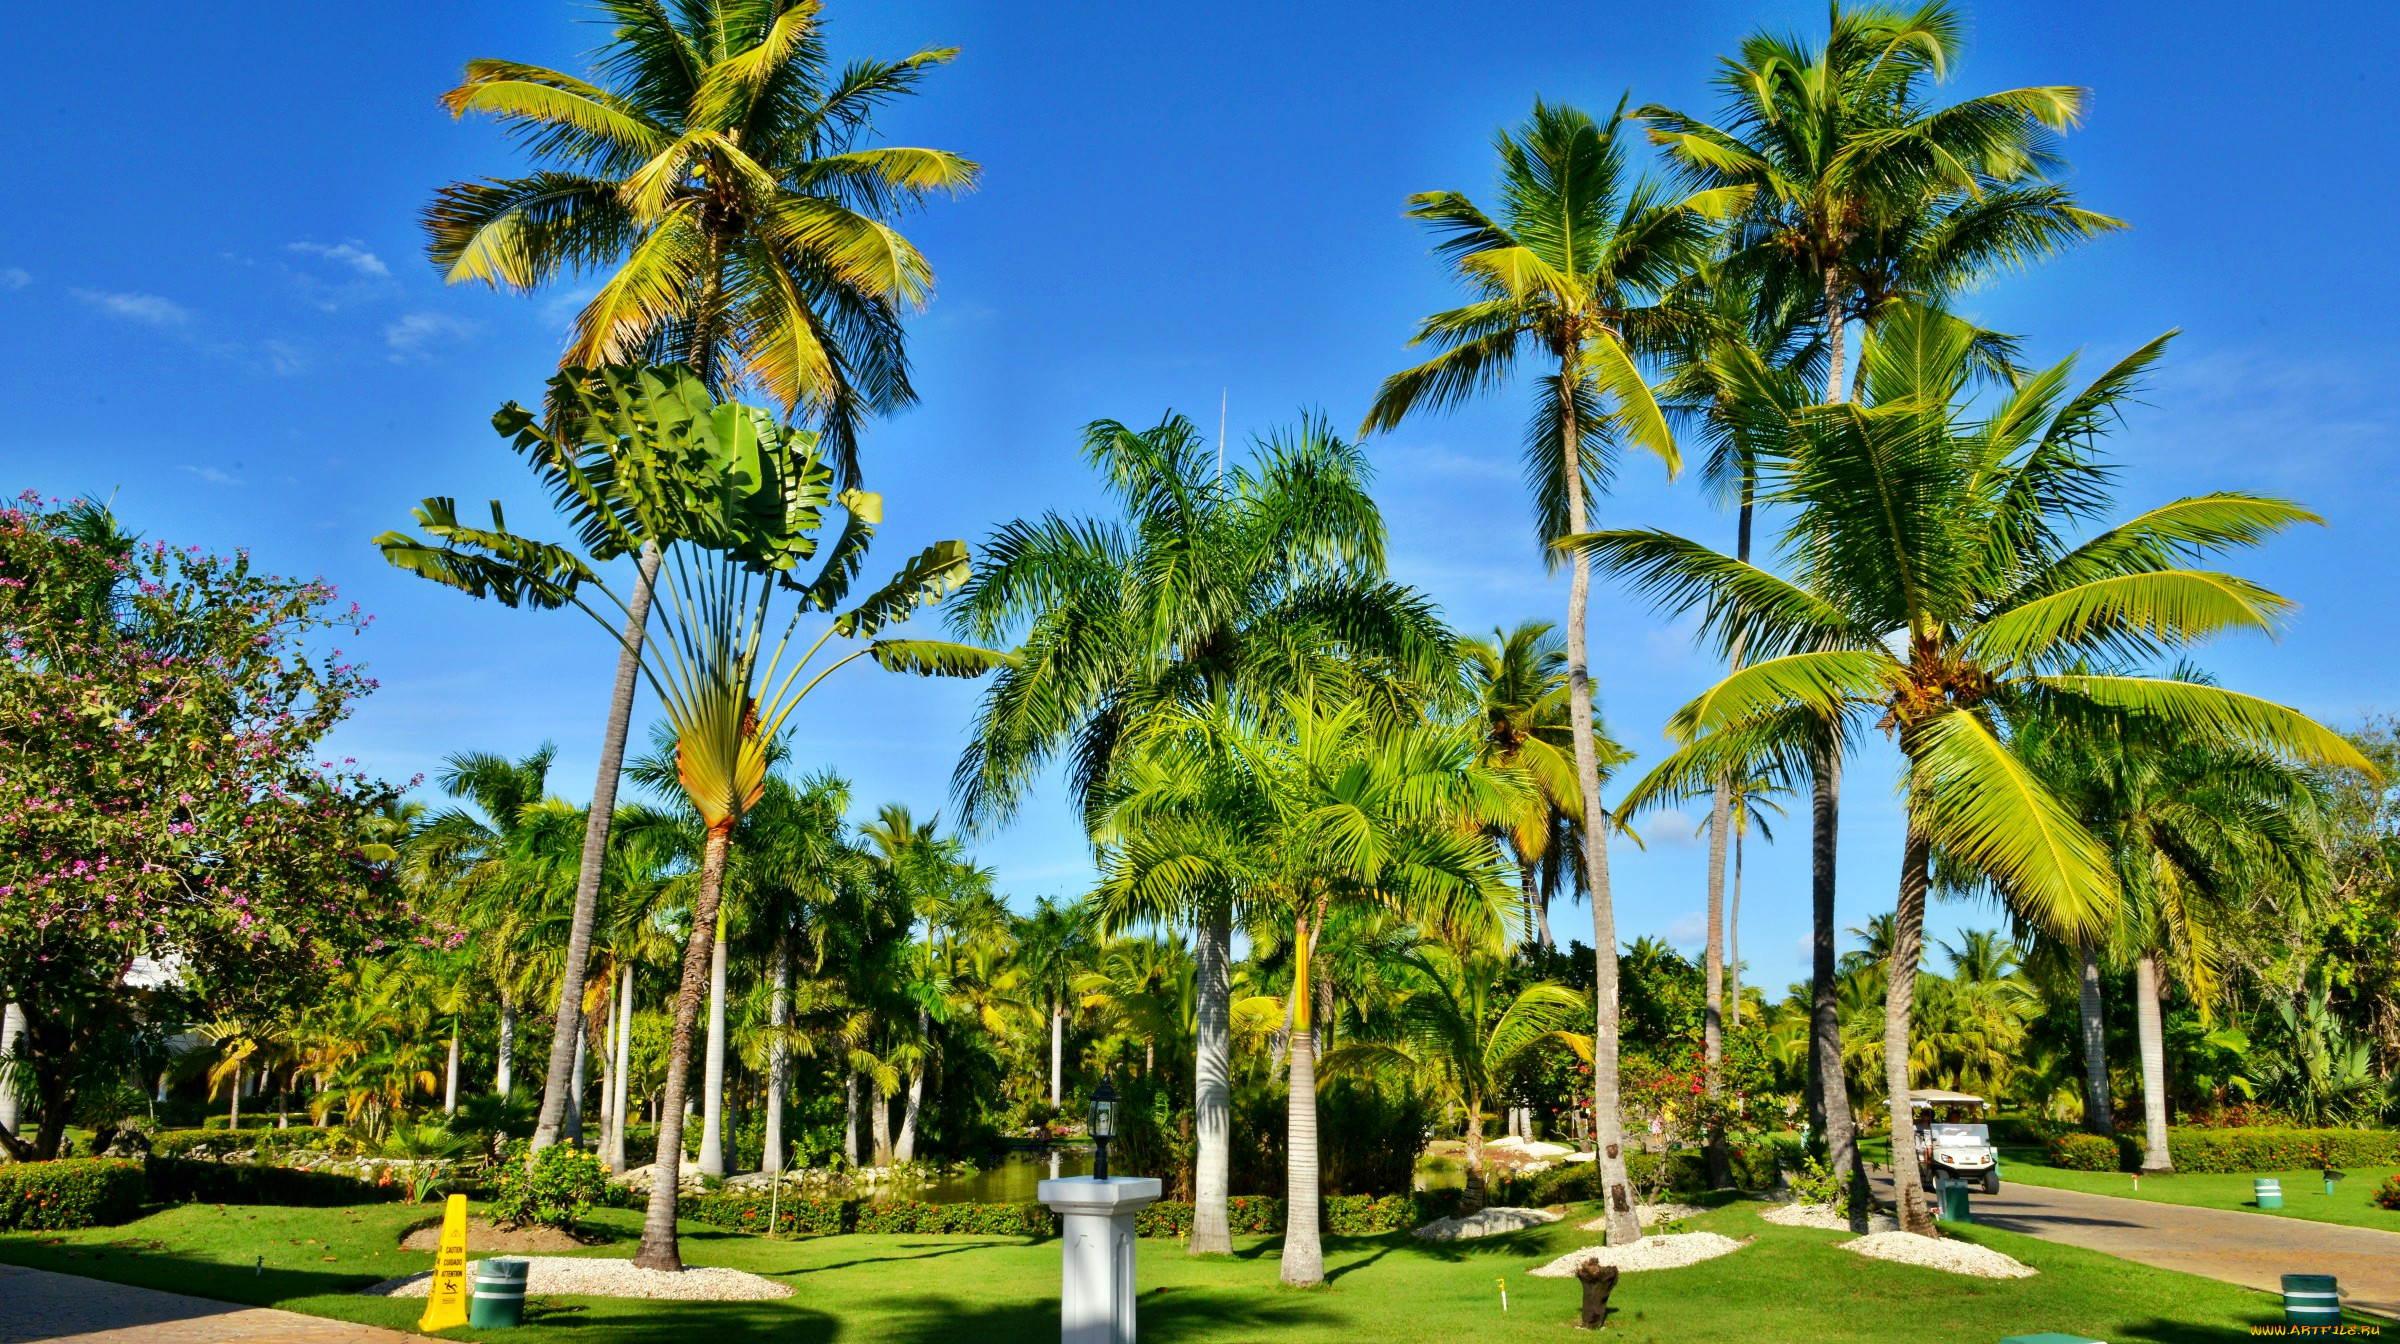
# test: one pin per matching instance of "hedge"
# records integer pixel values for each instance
(1754, 1168)
(1246, 1215)
(2204, 1150)
(174, 1179)
(2227, 1150)
(2388, 1194)
(69, 1193)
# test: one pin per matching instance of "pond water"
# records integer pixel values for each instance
(1012, 1182)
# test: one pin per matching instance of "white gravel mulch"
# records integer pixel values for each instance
(581, 1276)
(1825, 1218)
(1667, 1252)
(1485, 1223)
(1948, 1254)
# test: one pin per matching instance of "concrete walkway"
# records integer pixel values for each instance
(2251, 1249)
(37, 1305)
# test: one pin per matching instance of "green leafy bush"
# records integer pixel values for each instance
(750, 1211)
(69, 1193)
(174, 1180)
(219, 1122)
(2388, 1194)
(2078, 1151)
(1166, 1218)
(2025, 1131)
(560, 1187)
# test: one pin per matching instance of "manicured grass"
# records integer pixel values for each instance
(2303, 1191)
(1791, 1284)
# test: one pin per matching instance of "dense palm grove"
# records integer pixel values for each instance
(1332, 831)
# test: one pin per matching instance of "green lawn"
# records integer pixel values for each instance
(1791, 1285)
(2303, 1191)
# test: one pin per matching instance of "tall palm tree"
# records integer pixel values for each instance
(1936, 583)
(1054, 945)
(717, 167)
(1573, 270)
(1519, 681)
(1245, 583)
(485, 864)
(1457, 1026)
(1309, 808)
(1858, 190)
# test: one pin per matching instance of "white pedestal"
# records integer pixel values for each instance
(1096, 1291)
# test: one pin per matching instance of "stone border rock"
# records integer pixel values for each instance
(1667, 1252)
(583, 1276)
(1485, 1223)
(1825, 1218)
(1947, 1254)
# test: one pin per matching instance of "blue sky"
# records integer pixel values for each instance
(213, 303)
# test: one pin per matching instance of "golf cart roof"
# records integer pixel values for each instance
(1934, 1096)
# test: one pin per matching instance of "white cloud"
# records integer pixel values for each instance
(1689, 931)
(349, 254)
(415, 334)
(145, 308)
(15, 277)
(211, 475)
(1668, 830)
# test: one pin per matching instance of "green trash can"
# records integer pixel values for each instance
(2268, 1191)
(497, 1293)
(2311, 1299)
(1952, 1200)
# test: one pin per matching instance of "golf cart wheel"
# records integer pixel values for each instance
(1991, 1181)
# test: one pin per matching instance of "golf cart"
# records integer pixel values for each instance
(1952, 1139)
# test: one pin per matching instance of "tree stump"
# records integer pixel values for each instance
(1599, 1281)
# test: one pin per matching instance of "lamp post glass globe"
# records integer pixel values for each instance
(1102, 1125)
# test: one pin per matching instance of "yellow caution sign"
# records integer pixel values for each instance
(446, 1298)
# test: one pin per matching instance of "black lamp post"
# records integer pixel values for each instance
(1103, 1126)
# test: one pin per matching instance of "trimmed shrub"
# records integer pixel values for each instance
(69, 1193)
(1166, 1218)
(253, 1121)
(749, 1211)
(2078, 1151)
(2025, 1131)
(1254, 1215)
(562, 1186)
(2388, 1194)
(174, 1179)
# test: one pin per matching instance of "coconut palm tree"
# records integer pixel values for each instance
(1457, 1026)
(1575, 269)
(718, 168)
(1936, 584)
(1519, 681)
(484, 863)
(1858, 190)
(1209, 582)
(1054, 946)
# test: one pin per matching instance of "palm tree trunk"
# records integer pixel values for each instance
(904, 1148)
(1712, 1019)
(658, 1249)
(608, 1065)
(1835, 319)
(779, 1052)
(1624, 1227)
(879, 1122)
(450, 1076)
(233, 1118)
(850, 1119)
(1474, 1197)
(2098, 1110)
(1828, 1082)
(1212, 1083)
(712, 1089)
(1908, 937)
(614, 1155)
(1733, 939)
(1058, 1046)
(570, 1128)
(501, 1080)
(1303, 1247)
(2147, 974)
(595, 853)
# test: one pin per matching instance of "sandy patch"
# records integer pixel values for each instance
(483, 1236)
(581, 1277)
(1669, 1252)
(1946, 1253)
(1825, 1218)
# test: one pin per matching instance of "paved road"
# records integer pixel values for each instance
(2251, 1249)
(37, 1305)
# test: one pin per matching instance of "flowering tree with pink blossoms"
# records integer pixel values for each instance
(163, 793)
